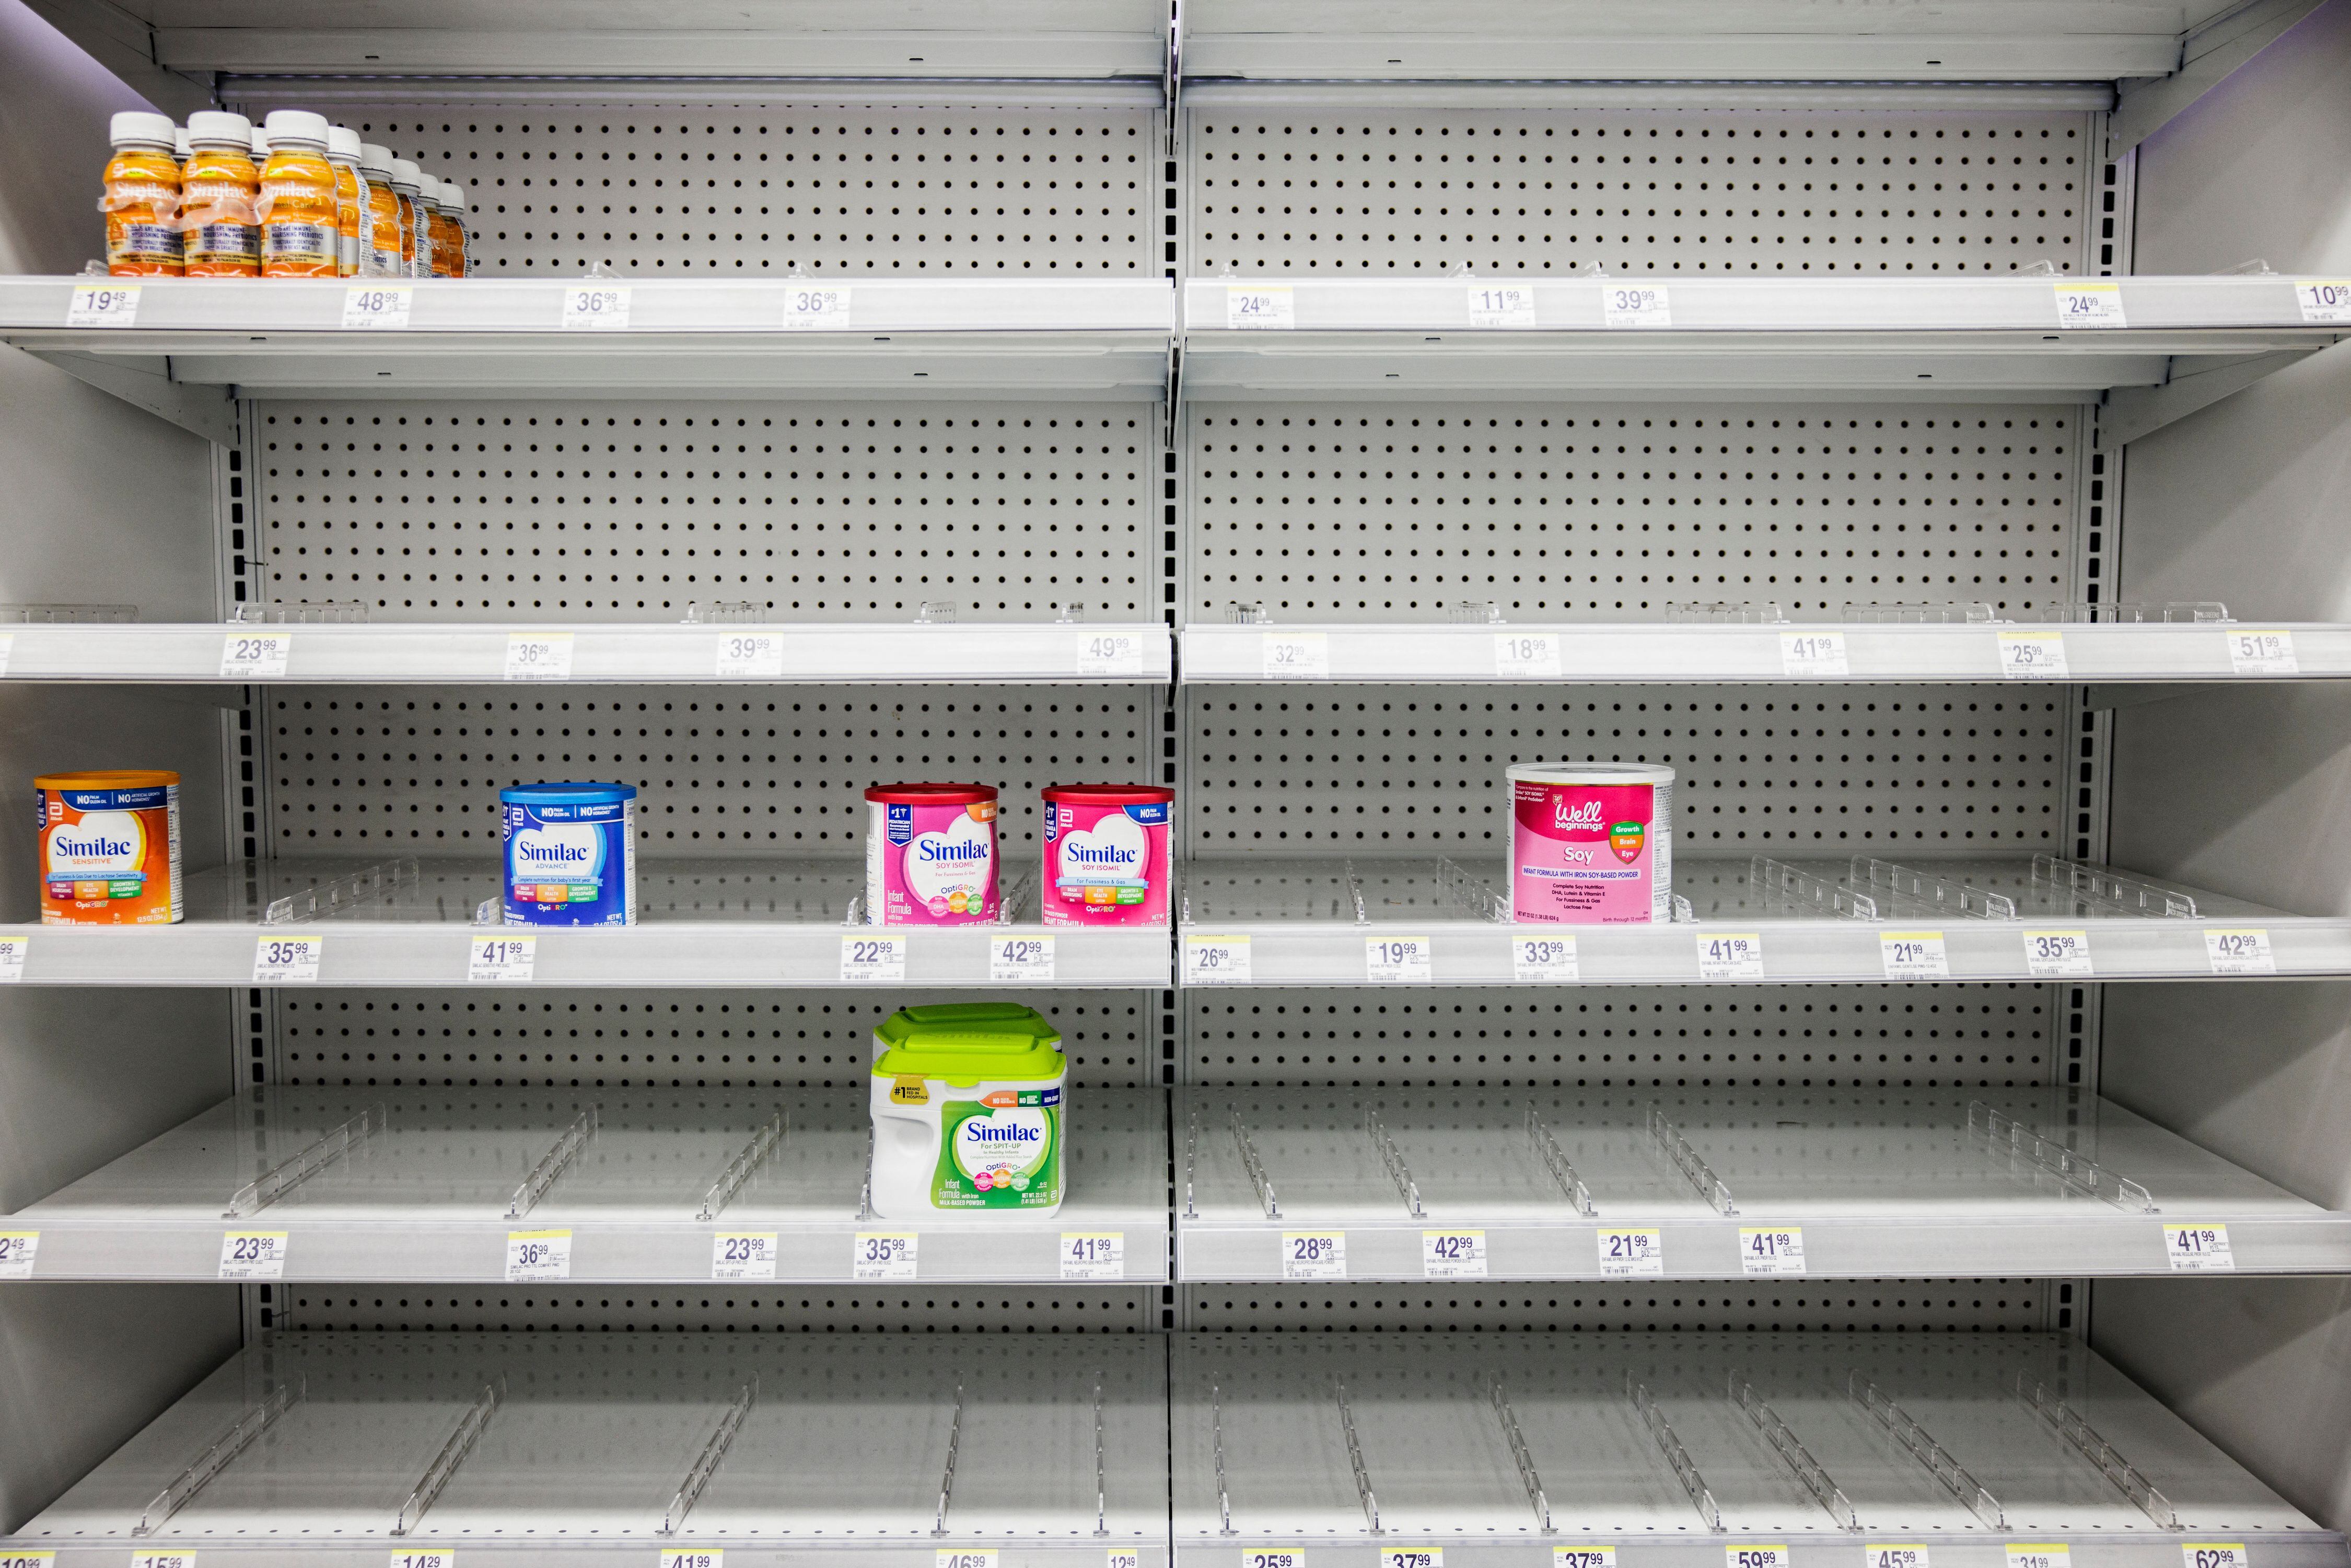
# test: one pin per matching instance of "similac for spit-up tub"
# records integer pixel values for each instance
(970, 1114)
(1591, 843)
(930, 854)
(1106, 855)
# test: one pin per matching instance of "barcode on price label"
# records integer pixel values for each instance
(538, 656)
(596, 308)
(13, 950)
(2090, 304)
(1111, 653)
(377, 308)
(743, 1255)
(1313, 1254)
(1632, 1252)
(538, 1255)
(1216, 960)
(2033, 655)
(1297, 655)
(1526, 655)
(692, 1557)
(2214, 1554)
(2198, 1248)
(1501, 305)
(497, 960)
(1624, 305)
(2055, 1556)
(1260, 307)
(884, 1255)
(2324, 299)
(256, 655)
(809, 310)
(2058, 955)
(872, 960)
(103, 305)
(1583, 1557)
(2240, 952)
(1812, 656)
(1913, 956)
(2254, 653)
(17, 1250)
(1396, 961)
(750, 655)
(1453, 1254)
(287, 961)
(1877, 1556)
(1770, 1250)
(1018, 960)
(1093, 1255)
(1540, 959)
(253, 1255)
(1731, 955)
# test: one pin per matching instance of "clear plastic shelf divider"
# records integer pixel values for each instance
(288, 1174)
(764, 1142)
(1392, 1158)
(67, 614)
(1217, 1438)
(714, 1454)
(366, 885)
(453, 1454)
(946, 1476)
(550, 1164)
(2110, 889)
(2068, 1424)
(1911, 893)
(1519, 1454)
(1801, 895)
(1355, 1457)
(301, 613)
(218, 1454)
(1556, 1162)
(1913, 1440)
(1686, 1159)
(1676, 1458)
(2077, 1170)
(1256, 1168)
(1790, 1449)
(1102, 1465)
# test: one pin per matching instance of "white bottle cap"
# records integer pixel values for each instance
(296, 125)
(342, 144)
(147, 129)
(377, 162)
(258, 143)
(219, 128)
(452, 195)
(180, 147)
(406, 176)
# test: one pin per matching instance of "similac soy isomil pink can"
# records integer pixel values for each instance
(1591, 843)
(1106, 853)
(930, 854)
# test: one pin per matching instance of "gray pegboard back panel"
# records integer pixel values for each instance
(1329, 512)
(595, 511)
(1810, 1037)
(717, 1309)
(1348, 187)
(655, 1040)
(1303, 770)
(1895, 1306)
(778, 772)
(895, 184)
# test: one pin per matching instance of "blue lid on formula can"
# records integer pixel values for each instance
(570, 854)
(567, 794)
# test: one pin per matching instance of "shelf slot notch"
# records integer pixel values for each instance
(1686, 1159)
(1793, 1453)
(764, 1141)
(2077, 1170)
(1364, 1492)
(552, 1163)
(219, 1454)
(1913, 1440)
(1555, 1161)
(1676, 1458)
(714, 1454)
(2068, 1424)
(292, 1172)
(1392, 1159)
(453, 1454)
(1519, 1454)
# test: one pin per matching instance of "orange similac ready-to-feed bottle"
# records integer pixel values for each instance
(351, 197)
(301, 234)
(380, 242)
(415, 239)
(218, 192)
(110, 849)
(448, 257)
(142, 198)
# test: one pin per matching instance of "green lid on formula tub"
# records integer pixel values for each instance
(968, 1041)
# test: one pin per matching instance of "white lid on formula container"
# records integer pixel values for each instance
(137, 128)
(1588, 773)
(296, 125)
(376, 162)
(256, 143)
(452, 197)
(407, 177)
(342, 144)
(219, 128)
(180, 147)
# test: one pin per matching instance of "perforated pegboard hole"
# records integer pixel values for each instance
(1109, 1309)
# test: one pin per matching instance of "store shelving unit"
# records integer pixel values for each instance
(430, 1186)
(1667, 1183)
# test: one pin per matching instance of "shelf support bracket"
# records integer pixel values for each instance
(1518, 1455)
(2068, 1424)
(453, 1454)
(1676, 1458)
(2207, 59)
(714, 1454)
(1913, 1441)
(2133, 412)
(1793, 1453)
(218, 1454)
(199, 409)
(283, 1177)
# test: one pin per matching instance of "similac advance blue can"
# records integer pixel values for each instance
(571, 854)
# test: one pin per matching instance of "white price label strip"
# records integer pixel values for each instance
(1297, 655)
(2090, 304)
(2055, 1556)
(1267, 307)
(538, 656)
(2253, 652)
(28, 1560)
(2033, 655)
(1500, 305)
(2240, 952)
(750, 656)
(1094, 1254)
(1628, 305)
(809, 310)
(964, 1557)
(1770, 1250)
(1755, 1557)
(1313, 1254)
(692, 1557)
(1120, 1557)
(884, 1255)
(1216, 960)
(1020, 960)
(596, 308)
(743, 1255)
(287, 961)
(1543, 959)
(2323, 300)
(1731, 955)
(500, 960)
(1881, 1556)
(103, 305)
(872, 960)
(2198, 1249)
(1632, 1252)
(1288, 1557)
(1453, 1254)
(1113, 654)
(1526, 655)
(1913, 956)
(159, 1560)
(13, 950)
(1413, 1557)
(425, 1557)
(2214, 1554)
(2058, 955)
(378, 308)
(253, 1255)
(538, 1255)
(1812, 656)
(17, 1250)
(256, 655)
(1396, 961)
(1583, 1557)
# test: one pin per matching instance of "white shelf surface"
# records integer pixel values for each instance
(840, 1456)
(704, 922)
(1650, 652)
(1881, 1183)
(504, 337)
(1300, 919)
(1937, 338)
(845, 654)
(1442, 1470)
(423, 1196)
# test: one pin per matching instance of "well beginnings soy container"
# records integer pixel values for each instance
(968, 1113)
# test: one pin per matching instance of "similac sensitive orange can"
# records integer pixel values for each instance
(110, 849)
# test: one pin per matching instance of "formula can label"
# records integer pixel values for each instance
(110, 857)
(1591, 855)
(1003, 1152)
(570, 863)
(1105, 864)
(931, 864)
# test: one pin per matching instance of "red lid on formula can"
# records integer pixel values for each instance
(1109, 794)
(932, 794)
